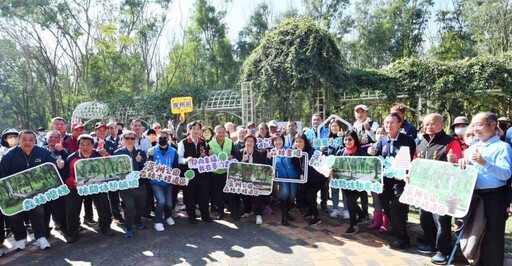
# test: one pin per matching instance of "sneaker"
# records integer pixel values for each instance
(352, 230)
(335, 213)
(175, 214)
(128, 233)
(268, 210)
(259, 219)
(43, 243)
(426, 249)
(71, 239)
(245, 215)
(21, 244)
(159, 227)
(170, 221)
(439, 258)
(148, 217)
(141, 225)
(2, 253)
(346, 215)
(308, 215)
(315, 221)
(90, 222)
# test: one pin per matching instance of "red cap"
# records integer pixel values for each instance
(76, 125)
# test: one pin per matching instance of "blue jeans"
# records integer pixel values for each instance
(335, 196)
(288, 191)
(163, 195)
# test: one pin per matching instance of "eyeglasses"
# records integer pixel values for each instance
(128, 138)
(348, 140)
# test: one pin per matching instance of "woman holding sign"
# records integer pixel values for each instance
(315, 181)
(163, 154)
(250, 154)
(289, 168)
(352, 149)
(134, 199)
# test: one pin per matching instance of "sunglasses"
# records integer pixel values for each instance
(129, 138)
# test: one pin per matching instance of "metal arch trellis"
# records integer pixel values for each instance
(89, 111)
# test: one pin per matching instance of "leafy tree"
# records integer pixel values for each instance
(296, 59)
(251, 35)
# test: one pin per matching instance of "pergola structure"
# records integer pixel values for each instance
(241, 104)
(91, 111)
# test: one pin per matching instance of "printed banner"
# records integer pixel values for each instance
(263, 143)
(249, 179)
(295, 155)
(100, 175)
(397, 167)
(327, 142)
(130, 181)
(167, 174)
(28, 189)
(322, 163)
(440, 187)
(211, 163)
(361, 173)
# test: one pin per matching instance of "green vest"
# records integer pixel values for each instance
(215, 147)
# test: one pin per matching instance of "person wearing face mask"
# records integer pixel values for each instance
(41, 137)
(458, 128)
(9, 140)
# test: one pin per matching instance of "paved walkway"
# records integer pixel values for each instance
(226, 243)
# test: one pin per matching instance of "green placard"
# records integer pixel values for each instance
(25, 190)
(249, 179)
(440, 187)
(102, 169)
(361, 173)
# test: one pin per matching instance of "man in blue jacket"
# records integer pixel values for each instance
(22, 157)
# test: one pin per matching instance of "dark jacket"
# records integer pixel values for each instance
(109, 146)
(137, 166)
(313, 175)
(15, 160)
(409, 129)
(437, 147)
(382, 149)
(359, 152)
(257, 157)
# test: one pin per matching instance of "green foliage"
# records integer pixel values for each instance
(296, 58)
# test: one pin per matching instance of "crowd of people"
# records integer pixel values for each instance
(483, 142)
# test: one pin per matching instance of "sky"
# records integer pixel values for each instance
(238, 12)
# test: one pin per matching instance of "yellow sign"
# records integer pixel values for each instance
(182, 105)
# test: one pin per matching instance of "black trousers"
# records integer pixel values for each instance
(150, 198)
(57, 210)
(134, 204)
(89, 214)
(253, 204)
(396, 211)
(311, 193)
(36, 217)
(437, 231)
(353, 208)
(218, 183)
(300, 197)
(492, 249)
(113, 197)
(234, 204)
(364, 202)
(324, 195)
(2, 228)
(197, 187)
(74, 206)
